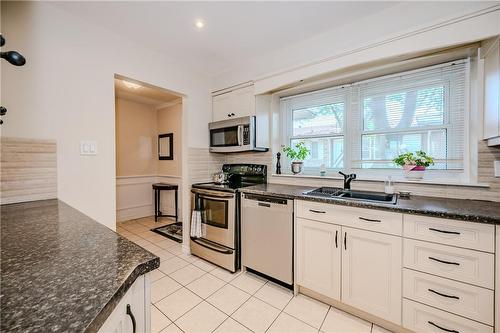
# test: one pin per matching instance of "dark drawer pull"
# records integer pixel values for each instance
(263, 204)
(129, 312)
(336, 238)
(369, 220)
(345, 241)
(442, 328)
(441, 294)
(317, 211)
(445, 231)
(444, 261)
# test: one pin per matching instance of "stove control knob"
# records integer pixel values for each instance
(259, 169)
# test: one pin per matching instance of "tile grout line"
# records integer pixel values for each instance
(225, 284)
(281, 311)
(324, 319)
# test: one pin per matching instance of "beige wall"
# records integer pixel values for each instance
(137, 128)
(170, 121)
(136, 142)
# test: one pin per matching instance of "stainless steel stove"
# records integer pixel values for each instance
(220, 212)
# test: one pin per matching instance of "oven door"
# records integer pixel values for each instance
(217, 215)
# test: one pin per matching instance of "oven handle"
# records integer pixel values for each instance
(210, 247)
(214, 194)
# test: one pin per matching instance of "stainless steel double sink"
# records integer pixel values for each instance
(339, 193)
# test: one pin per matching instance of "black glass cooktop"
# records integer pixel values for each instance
(227, 187)
(240, 175)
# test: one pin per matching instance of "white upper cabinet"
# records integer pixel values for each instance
(491, 54)
(234, 104)
(319, 257)
(371, 272)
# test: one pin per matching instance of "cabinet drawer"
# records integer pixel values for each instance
(456, 297)
(469, 235)
(451, 262)
(425, 319)
(361, 218)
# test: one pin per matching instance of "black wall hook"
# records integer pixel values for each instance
(13, 57)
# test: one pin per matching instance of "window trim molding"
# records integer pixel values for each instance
(465, 177)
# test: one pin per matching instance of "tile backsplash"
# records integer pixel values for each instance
(203, 164)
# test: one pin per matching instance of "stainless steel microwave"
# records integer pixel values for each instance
(233, 135)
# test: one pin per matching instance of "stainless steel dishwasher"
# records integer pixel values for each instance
(267, 236)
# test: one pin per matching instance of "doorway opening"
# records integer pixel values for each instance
(148, 133)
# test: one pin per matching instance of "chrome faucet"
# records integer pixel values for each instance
(348, 179)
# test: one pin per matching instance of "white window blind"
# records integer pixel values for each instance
(364, 125)
(422, 110)
(318, 120)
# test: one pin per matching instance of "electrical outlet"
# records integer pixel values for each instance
(497, 168)
(88, 147)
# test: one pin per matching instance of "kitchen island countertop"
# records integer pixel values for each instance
(458, 209)
(62, 271)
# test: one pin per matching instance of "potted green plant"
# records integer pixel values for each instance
(414, 164)
(297, 155)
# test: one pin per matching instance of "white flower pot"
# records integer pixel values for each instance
(297, 167)
(417, 173)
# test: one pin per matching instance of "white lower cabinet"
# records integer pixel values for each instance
(428, 275)
(358, 267)
(425, 319)
(132, 314)
(371, 273)
(456, 297)
(319, 257)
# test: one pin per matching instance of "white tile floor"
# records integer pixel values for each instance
(191, 295)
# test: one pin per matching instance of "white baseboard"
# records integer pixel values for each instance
(134, 213)
(135, 197)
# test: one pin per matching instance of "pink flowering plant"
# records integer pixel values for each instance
(414, 161)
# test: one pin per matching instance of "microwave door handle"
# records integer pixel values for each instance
(240, 135)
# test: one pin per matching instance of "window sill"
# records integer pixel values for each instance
(395, 179)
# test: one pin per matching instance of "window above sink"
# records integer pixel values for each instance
(360, 127)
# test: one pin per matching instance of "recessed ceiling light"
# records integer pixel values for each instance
(131, 85)
(199, 24)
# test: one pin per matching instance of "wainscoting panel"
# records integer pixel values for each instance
(135, 197)
(28, 170)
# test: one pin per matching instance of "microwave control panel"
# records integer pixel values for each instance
(246, 135)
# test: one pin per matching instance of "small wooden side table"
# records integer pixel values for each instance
(157, 188)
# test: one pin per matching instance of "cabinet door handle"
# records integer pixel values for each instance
(129, 312)
(317, 211)
(345, 241)
(368, 220)
(444, 261)
(445, 231)
(443, 295)
(229, 115)
(442, 328)
(336, 236)
(232, 114)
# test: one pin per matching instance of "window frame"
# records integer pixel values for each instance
(304, 101)
(464, 175)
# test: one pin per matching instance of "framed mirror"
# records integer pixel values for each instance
(166, 146)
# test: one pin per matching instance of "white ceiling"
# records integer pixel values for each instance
(144, 93)
(234, 32)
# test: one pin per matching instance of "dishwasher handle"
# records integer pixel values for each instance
(262, 199)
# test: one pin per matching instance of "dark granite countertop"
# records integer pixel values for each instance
(62, 271)
(459, 209)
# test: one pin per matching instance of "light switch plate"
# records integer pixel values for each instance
(88, 147)
(497, 168)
